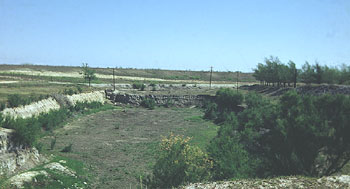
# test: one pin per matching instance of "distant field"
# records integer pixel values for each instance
(125, 74)
(35, 88)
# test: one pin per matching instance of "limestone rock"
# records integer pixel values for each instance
(34, 109)
(19, 180)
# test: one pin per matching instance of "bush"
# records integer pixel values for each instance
(229, 156)
(228, 99)
(80, 90)
(138, 85)
(16, 100)
(49, 121)
(211, 111)
(69, 91)
(308, 135)
(178, 163)
(148, 103)
(2, 106)
(26, 130)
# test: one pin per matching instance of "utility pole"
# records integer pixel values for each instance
(113, 81)
(237, 80)
(211, 72)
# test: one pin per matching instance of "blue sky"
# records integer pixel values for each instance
(174, 34)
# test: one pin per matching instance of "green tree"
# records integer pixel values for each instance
(89, 74)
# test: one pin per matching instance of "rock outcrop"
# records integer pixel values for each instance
(14, 158)
(34, 109)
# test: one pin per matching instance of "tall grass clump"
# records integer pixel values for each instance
(148, 103)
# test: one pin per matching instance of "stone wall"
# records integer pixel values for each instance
(176, 100)
(97, 96)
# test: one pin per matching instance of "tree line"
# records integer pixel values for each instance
(276, 73)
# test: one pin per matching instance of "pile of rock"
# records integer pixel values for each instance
(342, 181)
(176, 100)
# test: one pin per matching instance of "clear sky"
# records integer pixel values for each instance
(174, 34)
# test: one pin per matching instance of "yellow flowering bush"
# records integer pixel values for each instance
(178, 162)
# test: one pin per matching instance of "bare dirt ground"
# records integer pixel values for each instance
(120, 145)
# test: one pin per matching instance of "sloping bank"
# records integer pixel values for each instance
(16, 154)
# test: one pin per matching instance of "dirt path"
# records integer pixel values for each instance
(119, 145)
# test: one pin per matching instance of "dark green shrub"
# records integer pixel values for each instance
(303, 135)
(211, 111)
(2, 106)
(178, 163)
(138, 85)
(230, 158)
(69, 91)
(80, 90)
(148, 103)
(15, 100)
(308, 135)
(49, 121)
(228, 99)
(26, 130)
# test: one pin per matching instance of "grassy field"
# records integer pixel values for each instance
(119, 146)
(36, 88)
(40, 71)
